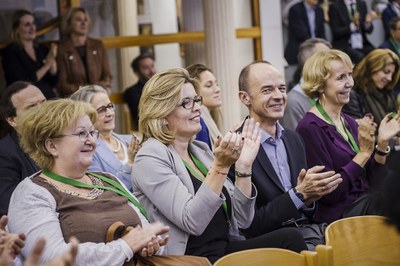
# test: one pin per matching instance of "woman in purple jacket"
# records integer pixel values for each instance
(335, 140)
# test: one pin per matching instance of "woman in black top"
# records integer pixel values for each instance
(24, 60)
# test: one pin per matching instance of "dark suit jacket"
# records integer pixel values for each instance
(72, 71)
(132, 97)
(340, 21)
(15, 165)
(299, 29)
(387, 15)
(274, 207)
(19, 66)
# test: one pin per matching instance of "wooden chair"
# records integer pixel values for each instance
(268, 256)
(362, 240)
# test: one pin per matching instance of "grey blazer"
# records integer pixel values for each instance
(164, 187)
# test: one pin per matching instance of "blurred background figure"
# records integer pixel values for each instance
(374, 79)
(143, 66)
(25, 60)
(115, 153)
(81, 60)
(350, 23)
(306, 20)
(210, 110)
(390, 12)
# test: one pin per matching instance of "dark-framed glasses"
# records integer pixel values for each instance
(188, 103)
(83, 135)
(103, 109)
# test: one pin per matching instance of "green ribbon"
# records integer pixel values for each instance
(118, 188)
(204, 171)
(351, 141)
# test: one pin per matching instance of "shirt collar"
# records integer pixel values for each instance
(309, 7)
(279, 133)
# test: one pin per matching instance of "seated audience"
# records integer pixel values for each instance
(81, 60)
(393, 43)
(211, 93)
(25, 60)
(64, 200)
(286, 191)
(115, 153)
(183, 184)
(15, 164)
(144, 68)
(350, 23)
(306, 20)
(374, 79)
(338, 142)
(298, 103)
(390, 12)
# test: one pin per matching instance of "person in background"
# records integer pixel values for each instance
(81, 60)
(306, 20)
(350, 23)
(143, 66)
(298, 103)
(390, 12)
(15, 164)
(287, 191)
(25, 60)
(335, 140)
(211, 94)
(64, 200)
(183, 184)
(393, 43)
(374, 79)
(115, 153)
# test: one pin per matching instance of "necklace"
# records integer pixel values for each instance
(118, 146)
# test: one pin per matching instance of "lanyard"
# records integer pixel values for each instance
(118, 188)
(204, 171)
(351, 140)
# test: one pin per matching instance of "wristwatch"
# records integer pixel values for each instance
(298, 194)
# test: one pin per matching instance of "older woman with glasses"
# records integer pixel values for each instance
(64, 200)
(115, 153)
(182, 183)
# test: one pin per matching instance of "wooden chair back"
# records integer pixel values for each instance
(362, 240)
(268, 256)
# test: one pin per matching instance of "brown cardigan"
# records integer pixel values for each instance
(72, 73)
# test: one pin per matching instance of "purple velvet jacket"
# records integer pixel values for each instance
(325, 146)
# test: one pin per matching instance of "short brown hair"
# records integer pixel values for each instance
(46, 121)
(160, 97)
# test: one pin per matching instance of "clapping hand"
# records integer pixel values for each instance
(251, 137)
(389, 127)
(133, 148)
(366, 135)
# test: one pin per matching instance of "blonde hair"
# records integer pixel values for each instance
(86, 93)
(161, 95)
(317, 70)
(66, 21)
(46, 121)
(374, 62)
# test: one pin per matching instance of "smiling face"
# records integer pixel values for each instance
(210, 90)
(266, 96)
(72, 152)
(185, 122)
(79, 23)
(338, 86)
(27, 28)
(384, 76)
(106, 116)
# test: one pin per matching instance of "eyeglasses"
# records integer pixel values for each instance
(103, 109)
(188, 103)
(83, 135)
